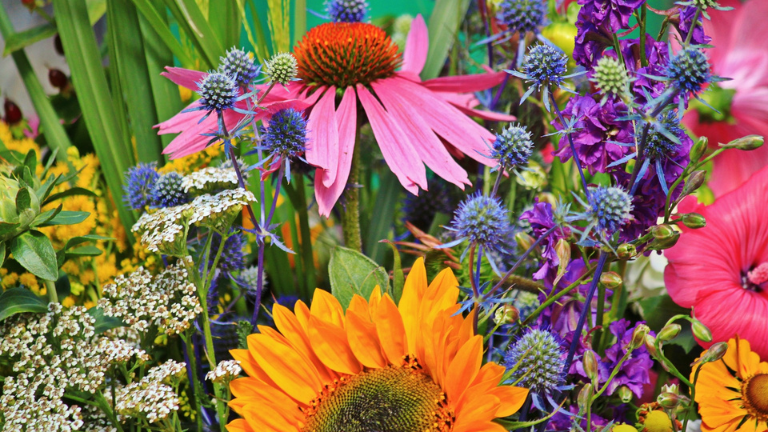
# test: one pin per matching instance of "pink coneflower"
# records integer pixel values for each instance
(721, 270)
(740, 52)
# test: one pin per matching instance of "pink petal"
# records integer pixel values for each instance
(410, 76)
(486, 115)
(423, 140)
(465, 83)
(322, 136)
(184, 77)
(416, 46)
(180, 121)
(447, 121)
(394, 144)
(191, 141)
(281, 93)
(347, 122)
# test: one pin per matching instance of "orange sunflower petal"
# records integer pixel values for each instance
(374, 299)
(239, 425)
(390, 329)
(359, 306)
(291, 328)
(302, 315)
(254, 387)
(287, 368)
(464, 368)
(511, 399)
(250, 366)
(329, 342)
(476, 413)
(364, 342)
(275, 422)
(326, 307)
(410, 302)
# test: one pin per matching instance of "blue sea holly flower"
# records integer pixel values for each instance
(218, 91)
(238, 65)
(609, 208)
(167, 191)
(522, 16)
(544, 67)
(347, 11)
(512, 147)
(284, 139)
(139, 181)
(232, 255)
(537, 361)
(688, 70)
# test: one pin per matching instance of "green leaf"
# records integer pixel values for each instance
(103, 322)
(444, 23)
(354, 273)
(2, 252)
(23, 200)
(656, 311)
(68, 192)
(33, 250)
(45, 216)
(381, 222)
(156, 20)
(191, 20)
(224, 19)
(83, 251)
(20, 300)
(67, 218)
(26, 38)
(74, 241)
(46, 188)
(7, 228)
(30, 161)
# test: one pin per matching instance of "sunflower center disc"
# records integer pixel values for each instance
(396, 399)
(345, 54)
(756, 393)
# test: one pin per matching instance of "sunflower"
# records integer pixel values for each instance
(412, 367)
(733, 393)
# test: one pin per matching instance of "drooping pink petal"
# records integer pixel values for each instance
(191, 140)
(279, 93)
(721, 29)
(180, 121)
(416, 46)
(186, 78)
(447, 121)
(346, 117)
(423, 140)
(394, 144)
(410, 76)
(322, 135)
(466, 103)
(465, 83)
(486, 115)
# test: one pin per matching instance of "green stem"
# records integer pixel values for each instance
(555, 297)
(600, 312)
(692, 408)
(104, 405)
(193, 387)
(307, 255)
(50, 288)
(350, 220)
(643, 58)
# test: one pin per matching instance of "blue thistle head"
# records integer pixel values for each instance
(545, 65)
(287, 133)
(167, 191)
(218, 92)
(139, 181)
(609, 208)
(540, 360)
(689, 70)
(523, 15)
(348, 11)
(481, 220)
(658, 145)
(513, 146)
(238, 65)
(232, 257)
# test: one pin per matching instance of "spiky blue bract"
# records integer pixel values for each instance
(287, 133)
(348, 11)
(513, 146)
(167, 191)
(232, 256)
(688, 70)
(523, 15)
(540, 360)
(139, 181)
(658, 145)
(238, 65)
(481, 220)
(545, 65)
(609, 208)
(218, 92)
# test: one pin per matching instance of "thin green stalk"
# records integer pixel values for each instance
(193, 368)
(600, 311)
(693, 26)
(692, 407)
(307, 255)
(643, 58)
(50, 288)
(104, 405)
(350, 219)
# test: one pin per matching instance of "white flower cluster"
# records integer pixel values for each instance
(165, 230)
(167, 300)
(210, 178)
(224, 372)
(154, 397)
(52, 353)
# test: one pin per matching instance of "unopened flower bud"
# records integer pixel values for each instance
(698, 149)
(650, 344)
(749, 142)
(12, 112)
(669, 332)
(281, 69)
(694, 220)
(585, 397)
(524, 240)
(590, 365)
(714, 353)
(626, 251)
(695, 180)
(662, 232)
(668, 400)
(670, 388)
(625, 394)
(610, 279)
(638, 336)
(506, 314)
(701, 331)
(57, 79)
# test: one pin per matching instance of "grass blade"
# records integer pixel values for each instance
(225, 22)
(191, 20)
(443, 26)
(163, 31)
(23, 39)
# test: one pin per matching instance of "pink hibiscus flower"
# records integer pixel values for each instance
(721, 270)
(740, 53)
(415, 122)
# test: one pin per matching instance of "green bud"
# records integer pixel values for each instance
(610, 279)
(695, 180)
(670, 388)
(694, 220)
(585, 397)
(626, 251)
(714, 353)
(506, 314)
(662, 232)
(669, 332)
(749, 142)
(523, 240)
(625, 394)
(638, 336)
(590, 365)
(701, 331)
(650, 344)
(698, 149)
(668, 400)
(281, 69)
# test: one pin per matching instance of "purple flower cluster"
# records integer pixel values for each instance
(686, 19)
(542, 219)
(596, 23)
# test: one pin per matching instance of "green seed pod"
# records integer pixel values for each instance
(698, 149)
(694, 220)
(701, 331)
(669, 332)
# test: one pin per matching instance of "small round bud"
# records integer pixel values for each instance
(662, 232)
(513, 147)
(664, 237)
(585, 397)
(749, 142)
(714, 353)
(698, 149)
(281, 68)
(626, 251)
(590, 365)
(638, 336)
(238, 65)
(57, 79)
(625, 394)
(701, 331)
(694, 220)
(545, 65)
(12, 112)
(695, 180)
(610, 279)
(523, 240)
(610, 76)
(688, 70)
(669, 332)
(563, 250)
(610, 207)
(621, 427)
(217, 91)
(506, 314)
(670, 388)
(668, 400)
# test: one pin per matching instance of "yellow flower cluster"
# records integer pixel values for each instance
(11, 280)
(193, 162)
(12, 142)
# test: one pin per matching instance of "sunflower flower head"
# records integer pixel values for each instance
(239, 65)
(347, 11)
(538, 361)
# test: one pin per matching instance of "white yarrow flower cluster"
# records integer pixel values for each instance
(167, 300)
(154, 397)
(224, 372)
(210, 178)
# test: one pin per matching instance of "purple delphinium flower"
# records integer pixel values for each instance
(596, 23)
(591, 41)
(595, 127)
(541, 219)
(615, 13)
(686, 18)
(657, 54)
